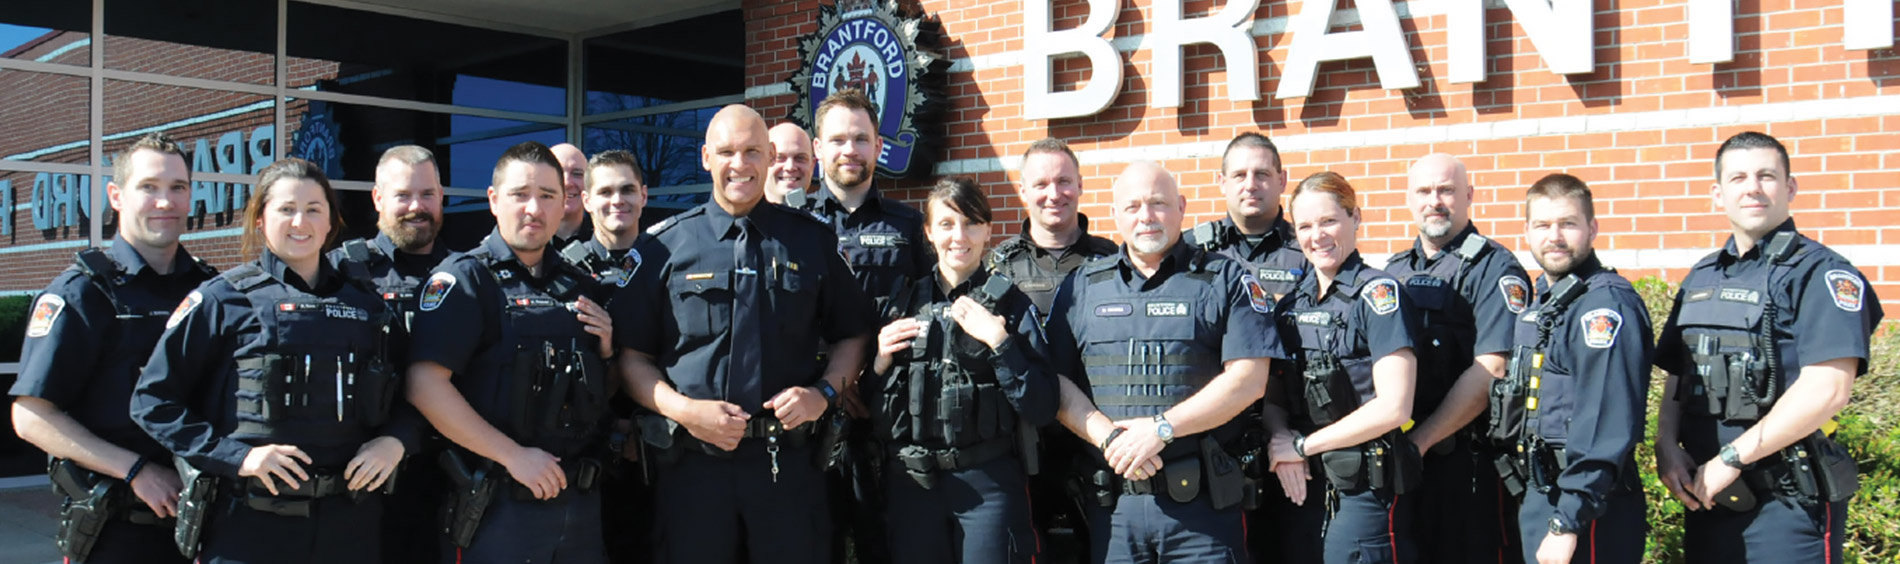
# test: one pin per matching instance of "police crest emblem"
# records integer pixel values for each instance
(1257, 296)
(184, 308)
(884, 50)
(1846, 289)
(45, 311)
(1382, 295)
(436, 290)
(1600, 327)
(1517, 293)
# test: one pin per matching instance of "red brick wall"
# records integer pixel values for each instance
(1650, 173)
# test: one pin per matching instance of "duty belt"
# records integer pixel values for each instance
(1145, 486)
(916, 458)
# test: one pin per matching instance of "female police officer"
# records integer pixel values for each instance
(1351, 388)
(271, 379)
(959, 374)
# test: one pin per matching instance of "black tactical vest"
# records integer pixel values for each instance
(542, 382)
(316, 374)
(948, 395)
(1728, 325)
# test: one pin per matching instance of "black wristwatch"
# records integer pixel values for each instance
(1731, 458)
(1557, 527)
(825, 389)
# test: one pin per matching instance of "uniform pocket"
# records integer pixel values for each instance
(702, 303)
(1373, 550)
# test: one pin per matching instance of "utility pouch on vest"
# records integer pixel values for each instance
(1508, 396)
(1329, 392)
(1226, 479)
(1512, 473)
(833, 427)
(659, 440)
(471, 491)
(1101, 488)
(1029, 447)
(1345, 468)
(194, 504)
(1184, 479)
(90, 502)
(1837, 473)
(1404, 464)
(1737, 497)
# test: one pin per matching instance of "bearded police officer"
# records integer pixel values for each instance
(89, 333)
(1467, 289)
(408, 201)
(718, 329)
(1172, 343)
(1571, 408)
(1054, 240)
(509, 364)
(1762, 348)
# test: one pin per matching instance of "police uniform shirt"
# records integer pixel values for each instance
(612, 269)
(464, 321)
(1826, 309)
(678, 308)
(1039, 272)
(1108, 301)
(1017, 366)
(1593, 392)
(397, 275)
(1474, 318)
(188, 396)
(1273, 258)
(883, 240)
(1377, 322)
(83, 354)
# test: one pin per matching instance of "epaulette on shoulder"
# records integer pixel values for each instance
(246, 277)
(668, 223)
(1004, 252)
(204, 267)
(99, 266)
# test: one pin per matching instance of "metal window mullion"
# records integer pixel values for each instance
(385, 9)
(49, 68)
(713, 102)
(358, 99)
(576, 90)
(279, 124)
(188, 82)
(97, 116)
(50, 168)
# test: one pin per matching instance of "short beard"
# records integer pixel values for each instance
(1149, 244)
(847, 180)
(407, 238)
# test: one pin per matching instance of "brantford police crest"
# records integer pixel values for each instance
(878, 48)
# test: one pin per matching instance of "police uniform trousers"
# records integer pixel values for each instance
(1281, 532)
(626, 518)
(563, 530)
(412, 515)
(1615, 536)
(1367, 526)
(713, 509)
(337, 530)
(125, 542)
(1155, 529)
(974, 515)
(1467, 518)
(857, 498)
(1777, 530)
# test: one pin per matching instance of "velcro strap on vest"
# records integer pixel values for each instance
(1140, 380)
(1188, 359)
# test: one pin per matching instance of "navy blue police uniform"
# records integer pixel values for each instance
(626, 497)
(410, 511)
(1273, 259)
(1336, 339)
(87, 337)
(700, 306)
(1743, 326)
(1467, 295)
(1039, 272)
(1139, 346)
(528, 366)
(260, 356)
(950, 413)
(1573, 406)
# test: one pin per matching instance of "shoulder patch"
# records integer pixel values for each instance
(436, 290)
(1846, 289)
(1600, 327)
(630, 263)
(184, 308)
(1382, 295)
(1516, 292)
(1257, 296)
(45, 311)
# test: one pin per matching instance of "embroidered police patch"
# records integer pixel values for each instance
(437, 290)
(632, 264)
(1279, 275)
(45, 311)
(1167, 309)
(1600, 327)
(1517, 293)
(1114, 310)
(1383, 296)
(1256, 295)
(184, 308)
(1846, 288)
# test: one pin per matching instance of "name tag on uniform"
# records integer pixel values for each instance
(1114, 310)
(535, 302)
(1167, 309)
(1315, 318)
(879, 240)
(1742, 295)
(1425, 282)
(699, 276)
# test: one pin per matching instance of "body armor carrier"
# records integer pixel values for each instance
(948, 412)
(1444, 352)
(543, 381)
(1518, 416)
(1728, 324)
(320, 376)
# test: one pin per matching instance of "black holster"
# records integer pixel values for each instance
(1505, 423)
(1227, 482)
(194, 505)
(91, 500)
(833, 427)
(472, 489)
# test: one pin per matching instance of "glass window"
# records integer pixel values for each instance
(343, 50)
(47, 32)
(228, 136)
(710, 49)
(230, 40)
(53, 125)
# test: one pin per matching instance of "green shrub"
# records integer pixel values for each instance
(1866, 428)
(13, 325)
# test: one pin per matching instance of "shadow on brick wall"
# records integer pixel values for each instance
(1741, 77)
(1605, 85)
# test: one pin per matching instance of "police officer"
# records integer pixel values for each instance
(1054, 240)
(509, 364)
(1173, 345)
(960, 374)
(1573, 404)
(1468, 290)
(89, 333)
(717, 333)
(1762, 348)
(408, 201)
(1352, 335)
(791, 166)
(272, 380)
(574, 179)
(616, 194)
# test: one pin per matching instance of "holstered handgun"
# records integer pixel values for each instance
(194, 504)
(90, 501)
(472, 489)
(833, 427)
(1029, 447)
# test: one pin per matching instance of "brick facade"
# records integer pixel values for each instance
(1641, 129)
